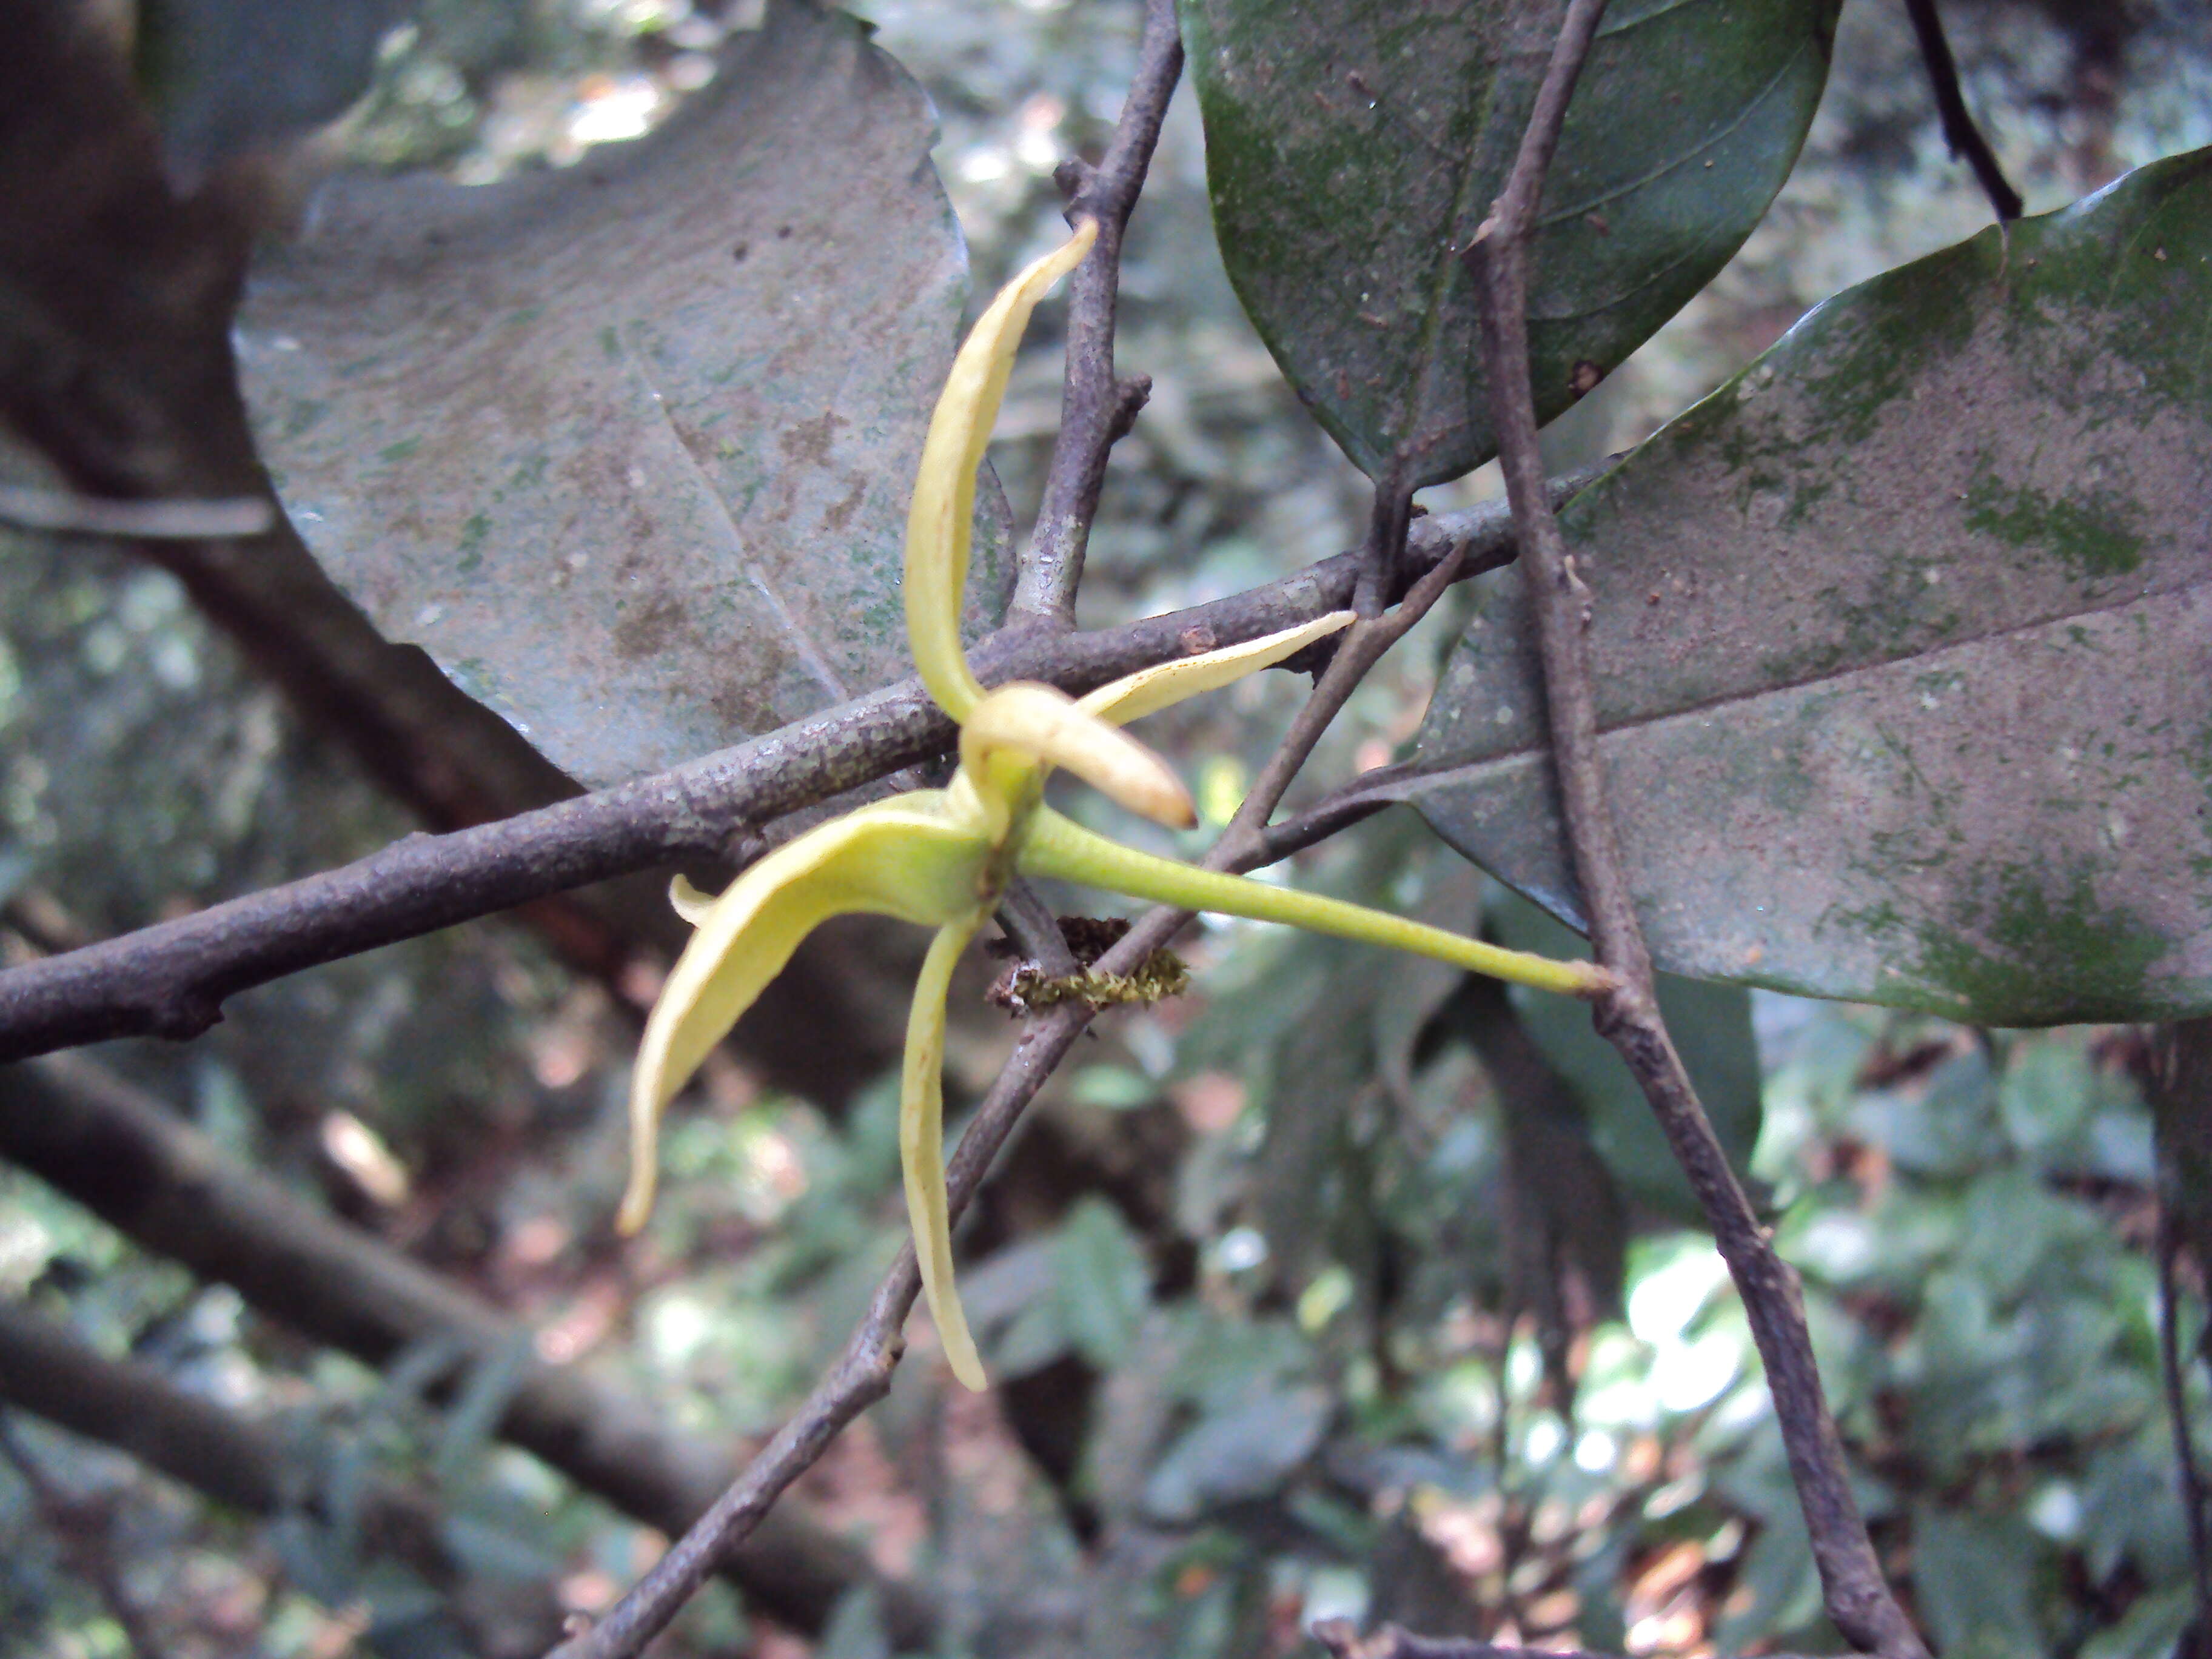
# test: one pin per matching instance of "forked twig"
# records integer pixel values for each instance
(1858, 1597)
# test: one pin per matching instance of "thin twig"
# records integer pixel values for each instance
(1857, 1598)
(1361, 646)
(2187, 1471)
(1338, 811)
(1095, 408)
(862, 1374)
(170, 980)
(1960, 131)
(158, 520)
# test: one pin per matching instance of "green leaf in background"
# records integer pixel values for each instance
(1904, 641)
(1102, 1285)
(2153, 1626)
(229, 77)
(1974, 1582)
(1712, 1028)
(1353, 146)
(627, 448)
(1241, 1454)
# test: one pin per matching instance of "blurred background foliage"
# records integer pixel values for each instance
(1338, 1288)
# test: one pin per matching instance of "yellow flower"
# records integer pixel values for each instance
(943, 858)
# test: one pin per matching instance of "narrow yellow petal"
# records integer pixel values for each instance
(901, 858)
(941, 520)
(921, 1147)
(1052, 846)
(1048, 724)
(1149, 689)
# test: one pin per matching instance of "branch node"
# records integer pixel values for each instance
(1075, 177)
(1131, 394)
(184, 1015)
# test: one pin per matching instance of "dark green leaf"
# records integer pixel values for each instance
(1712, 1028)
(1900, 642)
(2048, 1092)
(628, 447)
(1353, 146)
(1562, 1212)
(229, 77)
(2129, 1509)
(1947, 1128)
(1242, 1453)
(1783, 1584)
(1103, 1284)
(2150, 1629)
(1225, 1361)
(1974, 1580)
(1341, 1024)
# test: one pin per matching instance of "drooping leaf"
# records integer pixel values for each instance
(1904, 641)
(1712, 1028)
(1353, 146)
(627, 448)
(1341, 1046)
(229, 77)
(1560, 1214)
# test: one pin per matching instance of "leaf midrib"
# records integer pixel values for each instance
(1413, 438)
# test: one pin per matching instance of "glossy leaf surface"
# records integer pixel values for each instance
(1353, 146)
(1904, 641)
(627, 448)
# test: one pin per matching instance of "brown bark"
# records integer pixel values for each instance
(118, 1152)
